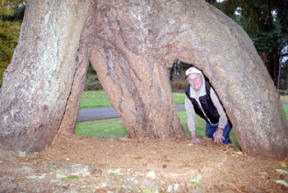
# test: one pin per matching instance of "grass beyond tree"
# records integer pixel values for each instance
(286, 110)
(94, 99)
(114, 128)
(100, 99)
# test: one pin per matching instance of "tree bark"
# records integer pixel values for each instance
(136, 83)
(132, 44)
(38, 81)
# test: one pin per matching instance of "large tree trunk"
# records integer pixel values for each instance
(38, 81)
(136, 83)
(132, 44)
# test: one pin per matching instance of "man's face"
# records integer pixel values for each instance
(195, 81)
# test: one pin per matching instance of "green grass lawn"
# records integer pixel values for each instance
(114, 128)
(286, 110)
(99, 99)
(94, 99)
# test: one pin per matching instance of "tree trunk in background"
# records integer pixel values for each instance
(38, 81)
(272, 65)
(132, 44)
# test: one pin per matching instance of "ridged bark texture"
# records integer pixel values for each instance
(38, 81)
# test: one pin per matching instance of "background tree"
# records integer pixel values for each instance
(92, 82)
(11, 15)
(266, 22)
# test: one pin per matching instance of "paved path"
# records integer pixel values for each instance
(99, 113)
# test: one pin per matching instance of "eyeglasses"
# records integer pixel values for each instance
(193, 79)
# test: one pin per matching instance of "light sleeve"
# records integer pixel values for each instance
(190, 112)
(223, 117)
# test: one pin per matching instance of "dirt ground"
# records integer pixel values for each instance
(80, 164)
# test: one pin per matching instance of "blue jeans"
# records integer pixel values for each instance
(210, 130)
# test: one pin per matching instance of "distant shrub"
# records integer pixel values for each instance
(92, 82)
(16, 14)
(11, 15)
(178, 85)
(9, 32)
(283, 92)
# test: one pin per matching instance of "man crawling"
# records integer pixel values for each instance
(202, 99)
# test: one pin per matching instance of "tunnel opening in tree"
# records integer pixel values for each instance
(179, 82)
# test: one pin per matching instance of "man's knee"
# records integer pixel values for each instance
(210, 131)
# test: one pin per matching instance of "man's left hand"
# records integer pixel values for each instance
(218, 135)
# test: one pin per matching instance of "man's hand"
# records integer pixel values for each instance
(195, 140)
(218, 135)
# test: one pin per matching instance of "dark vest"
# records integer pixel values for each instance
(206, 103)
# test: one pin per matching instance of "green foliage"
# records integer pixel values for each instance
(283, 92)
(16, 15)
(92, 82)
(257, 19)
(266, 22)
(10, 3)
(11, 14)
(9, 32)
(178, 85)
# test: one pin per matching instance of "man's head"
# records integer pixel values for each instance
(195, 78)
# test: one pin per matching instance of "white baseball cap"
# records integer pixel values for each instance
(192, 70)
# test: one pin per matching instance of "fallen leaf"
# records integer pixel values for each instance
(151, 174)
(196, 180)
(190, 144)
(42, 176)
(59, 176)
(283, 164)
(281, 171)
(73, 177)
(22, 154)
(238, 153)
(115, 172)
(138, 157)
(31, 177)
(173, 147)
(282, 182)
(146, 190)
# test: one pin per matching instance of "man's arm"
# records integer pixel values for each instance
(218, 135)
(190, 120)
(223, 118)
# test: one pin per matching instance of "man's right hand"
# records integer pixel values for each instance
(195, 140)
